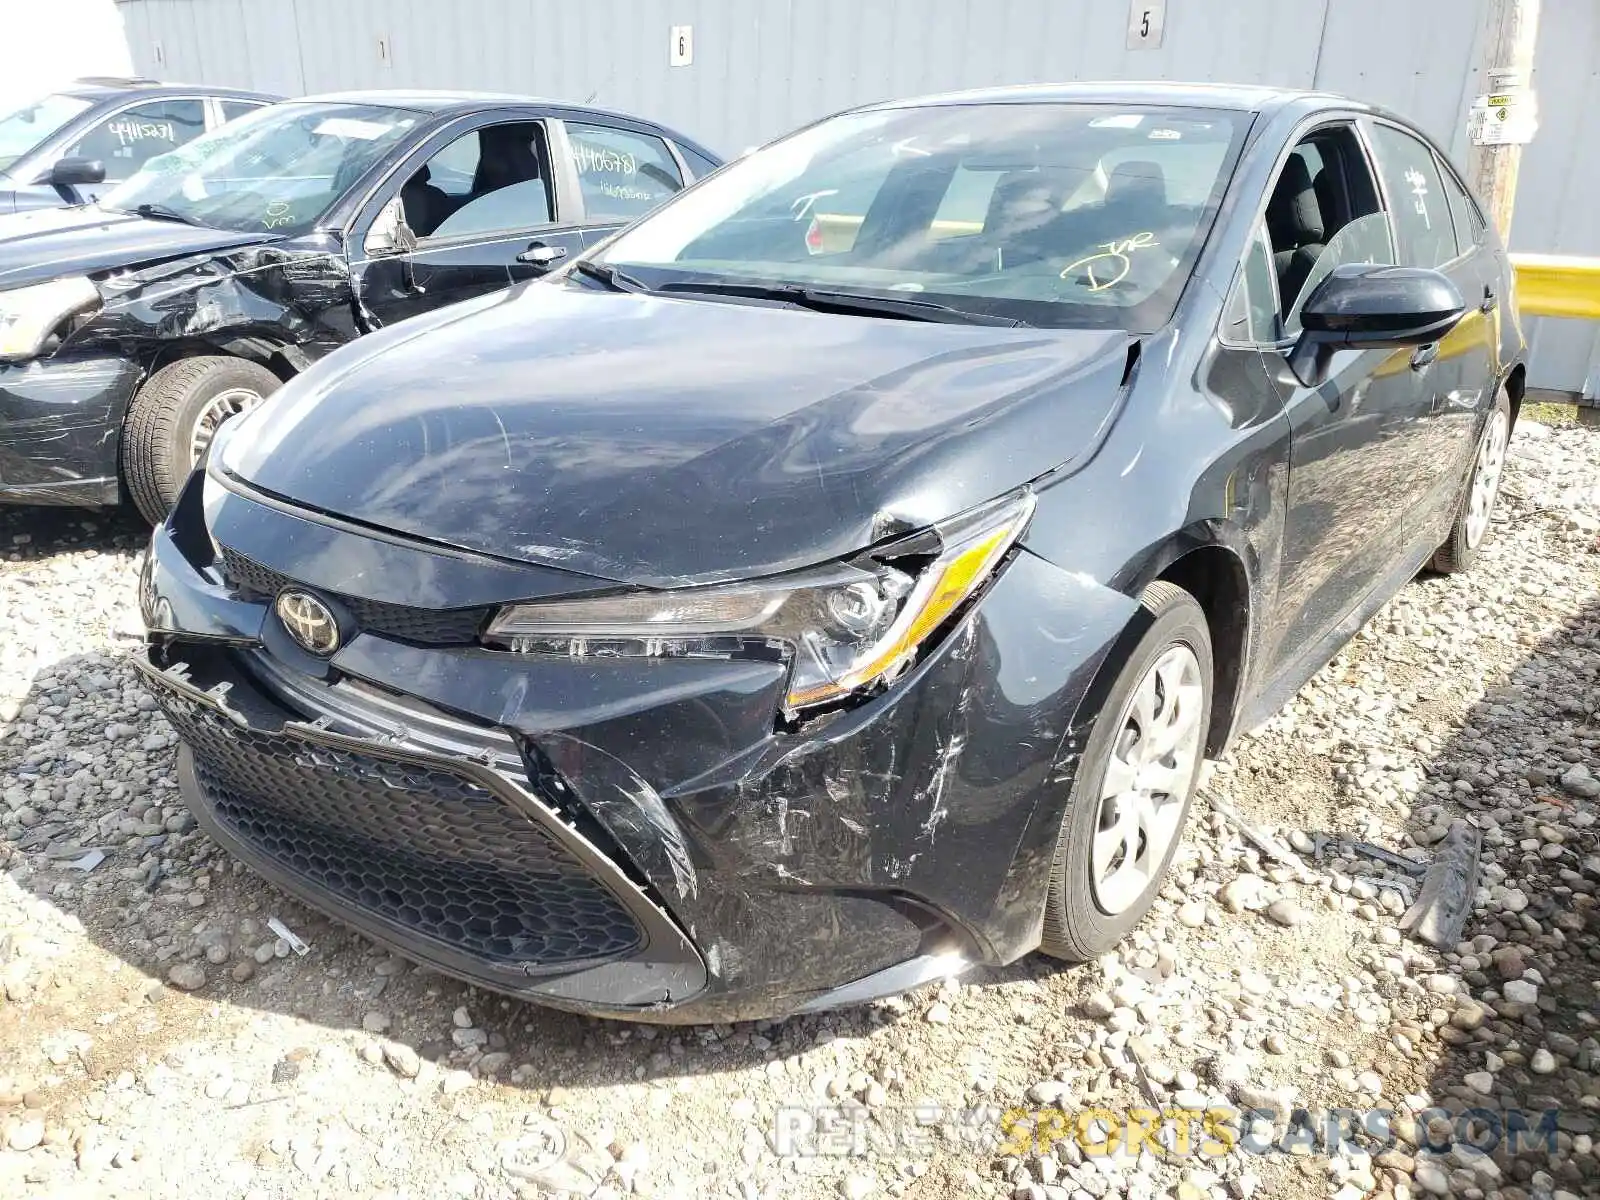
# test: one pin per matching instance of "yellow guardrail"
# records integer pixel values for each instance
(1553, 285)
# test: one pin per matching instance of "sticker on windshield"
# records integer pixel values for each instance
(350, 127)
(1120, 121)
(1164, 135)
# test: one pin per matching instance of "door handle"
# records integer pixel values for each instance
(1489, 300)
(1424, 356)
(542, 257)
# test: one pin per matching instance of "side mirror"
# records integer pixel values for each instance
(389, 233)
(1363, 307)
(76, 172)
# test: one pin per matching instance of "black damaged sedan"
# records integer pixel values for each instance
(131, 328)
(838, 578)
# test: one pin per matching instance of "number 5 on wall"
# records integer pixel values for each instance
(1147, 21)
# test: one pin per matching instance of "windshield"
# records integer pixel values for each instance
(1051, 214)
(279, 168)
(21, 129)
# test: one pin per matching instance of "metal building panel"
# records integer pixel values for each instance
(1416, 58)
(1559, 179)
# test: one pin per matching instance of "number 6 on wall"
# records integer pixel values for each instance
(1147, 21)
(680, 47)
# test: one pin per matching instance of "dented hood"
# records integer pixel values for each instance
(665, 441)
(50, 243)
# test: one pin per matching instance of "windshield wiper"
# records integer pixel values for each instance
(829, 300)
(617, 281)
(160, 212)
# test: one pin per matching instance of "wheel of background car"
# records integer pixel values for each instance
(1129, 803)
(173, 418)
(1470, 529)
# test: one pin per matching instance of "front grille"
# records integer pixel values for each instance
(420, 847)
(434, 627)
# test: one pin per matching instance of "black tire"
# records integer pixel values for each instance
(1076, 928)
(158, 433)
(1458, 551)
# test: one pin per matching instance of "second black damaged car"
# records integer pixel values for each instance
(839, 577)
(130, 329)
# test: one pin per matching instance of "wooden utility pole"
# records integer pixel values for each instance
(1505, 70)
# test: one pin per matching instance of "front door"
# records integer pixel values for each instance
(485, 213)
(1358, 465)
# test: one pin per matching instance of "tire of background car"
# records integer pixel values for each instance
(173, 417)
(1470, 529)
(1149, 740)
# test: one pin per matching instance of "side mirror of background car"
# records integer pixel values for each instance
(390, 234)
(1364, 307)
(75, 172)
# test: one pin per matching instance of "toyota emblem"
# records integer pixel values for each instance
(310, 622)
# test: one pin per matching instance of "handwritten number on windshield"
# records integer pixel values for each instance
(1111, 266)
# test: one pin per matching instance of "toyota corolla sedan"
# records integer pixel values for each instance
(837, 578)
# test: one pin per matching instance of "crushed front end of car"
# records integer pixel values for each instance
(470, 766)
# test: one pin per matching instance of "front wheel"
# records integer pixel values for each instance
(1131, 797)
(173, 418)
(1470, 528)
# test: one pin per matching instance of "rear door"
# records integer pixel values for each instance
(619, 171)
(1457, 375)
(475, 199)
(125, 139)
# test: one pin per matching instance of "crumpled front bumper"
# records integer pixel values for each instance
(60, 428)
(766, 870)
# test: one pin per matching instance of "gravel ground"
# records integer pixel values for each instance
(158, 1039)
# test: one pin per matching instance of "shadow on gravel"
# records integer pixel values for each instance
(41, 531)
(1516, 1042)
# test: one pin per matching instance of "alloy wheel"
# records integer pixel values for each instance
(1486, 476)
(1147, 780)
(219, 408)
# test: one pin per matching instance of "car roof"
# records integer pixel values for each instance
(107, 87)
(465, 101)
(1243, 97)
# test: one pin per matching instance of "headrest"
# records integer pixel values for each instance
(1139, 183)
(1294, 218)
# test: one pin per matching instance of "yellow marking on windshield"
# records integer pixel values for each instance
(1109, 274)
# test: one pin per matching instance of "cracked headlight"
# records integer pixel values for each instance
(29, 315)
(844, 628)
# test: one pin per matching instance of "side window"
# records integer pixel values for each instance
(1251, 316)
(491, 180)
(1463, 213)
(232, 110)
(698, 163)
(621, 174)
(1323, 212)
(126, 140)
(1417, 197)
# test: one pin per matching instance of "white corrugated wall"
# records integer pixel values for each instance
(764, 66)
